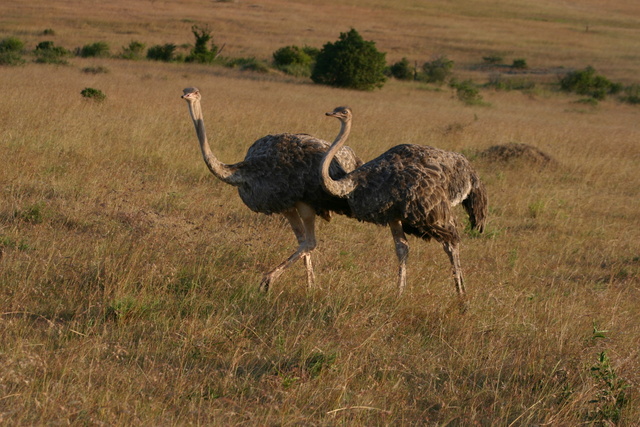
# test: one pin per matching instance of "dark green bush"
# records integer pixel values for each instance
(519, 64)
(95, 94)
(135, 50)
(351, 62)
(437, 71)
(97, 49)
(402, 70)
(48, 32)
(10, 51)
(200, 52)
(164, 52)
(587, 82)
(47, 52)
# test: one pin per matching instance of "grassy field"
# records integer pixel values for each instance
(129, 274)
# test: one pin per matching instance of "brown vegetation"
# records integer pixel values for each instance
(129, 275)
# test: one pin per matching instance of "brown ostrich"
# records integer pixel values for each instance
(281, 174)
(411, 188)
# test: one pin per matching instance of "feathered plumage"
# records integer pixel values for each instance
(280, 174)
(411, 188)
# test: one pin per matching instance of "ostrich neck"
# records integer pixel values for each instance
(342, 187)
(225, 173)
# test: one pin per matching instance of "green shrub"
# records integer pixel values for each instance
(200, 52)
(466, 91)
(97, 49)
(47, 52)
(10, 51)
(290, 55)
(164, 52)
(402, 70)
(48, 32)
(11, 44)
(295, 60)
(11, 58)
(133, 51)
(437, 71)
(631, 94)
(519, 64)
(95, 94)
(351, 62)
(587, 82)
(611, 396)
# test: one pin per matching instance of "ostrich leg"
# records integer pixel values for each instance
(302, 220)
(453, 250)
(402, 251)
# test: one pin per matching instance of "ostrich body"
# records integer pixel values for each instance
(280, 174)
(411, 188)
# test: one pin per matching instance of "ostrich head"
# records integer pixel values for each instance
(191, 94)
(341, 113)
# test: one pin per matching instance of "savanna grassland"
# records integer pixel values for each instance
(129, 274)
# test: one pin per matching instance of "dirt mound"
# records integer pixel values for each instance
(513, 151)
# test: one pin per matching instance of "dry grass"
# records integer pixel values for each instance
(128, 274)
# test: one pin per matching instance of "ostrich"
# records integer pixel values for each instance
(280, 174)
(412, 188)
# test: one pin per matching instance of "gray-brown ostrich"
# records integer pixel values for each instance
(411, 188)
(281, 174)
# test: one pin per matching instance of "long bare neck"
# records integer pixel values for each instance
(342, 187)
(224, 172)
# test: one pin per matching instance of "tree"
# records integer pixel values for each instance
(438, 70)
(200, 52)
(351, 62)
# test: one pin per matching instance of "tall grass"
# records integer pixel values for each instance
(128, 274)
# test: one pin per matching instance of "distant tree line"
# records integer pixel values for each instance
(350, 62)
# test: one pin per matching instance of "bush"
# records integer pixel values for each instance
(47, 52)
(162, 52)
(11, 44)
(295, 60)
(97, 49)
(351, 62)
(438, 70)
(200, 53)
(632, 94)
(10, 49)
(133, 51)
(11, 58)
(95, 94)
(402, 70)
(467, 92)
(519, 64)
(587, 82)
